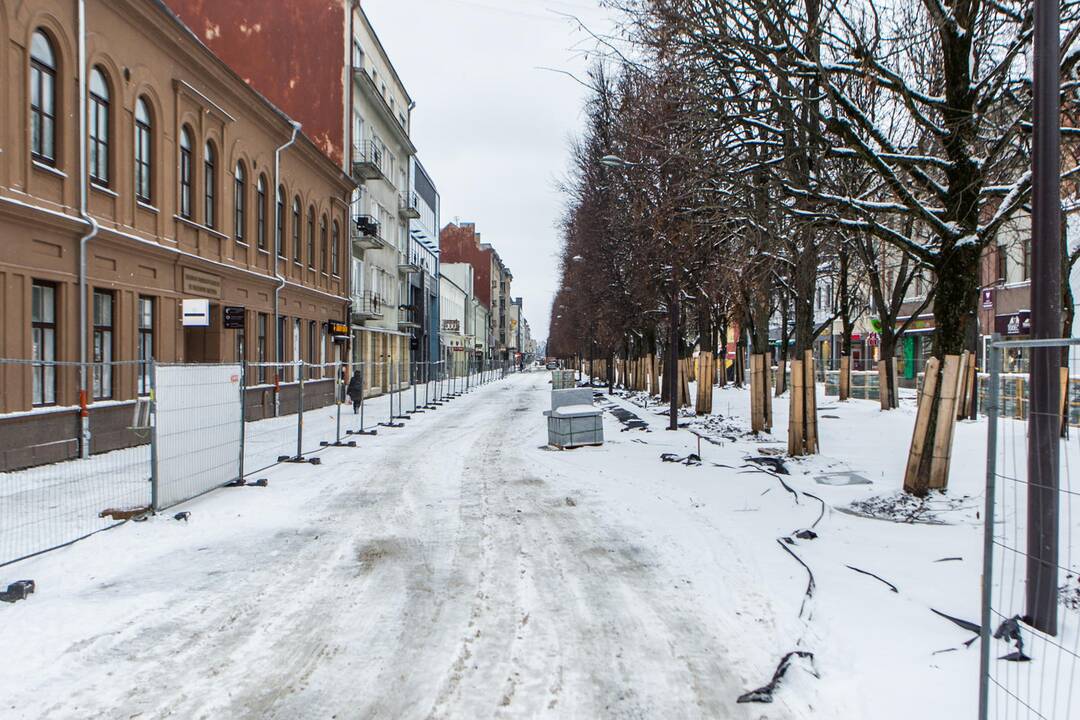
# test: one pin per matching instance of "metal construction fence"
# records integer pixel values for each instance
(171, 432)
(1031, 556)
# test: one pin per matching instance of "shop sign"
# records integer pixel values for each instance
(1014, 324)
(196, 312)
(201, 284)
(233, 318)
(988, 297)
(451, 326)
(338, 330)
(917, 324)
(873, 340)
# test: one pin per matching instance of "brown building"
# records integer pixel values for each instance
(460, 243)
(179, 204)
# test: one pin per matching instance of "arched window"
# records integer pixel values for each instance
(185, 172)
(311, 237)
(335, 251)
(260, 212)
(99, 127)
(43, 98)
(240, 202)
(297, 246)
(143, 151)
(323, 249)
(209, 185)
(279, 230)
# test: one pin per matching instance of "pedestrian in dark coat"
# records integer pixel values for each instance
(355, 391)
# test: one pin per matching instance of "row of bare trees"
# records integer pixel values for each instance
(738, 152)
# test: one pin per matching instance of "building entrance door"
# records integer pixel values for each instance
(203, 344)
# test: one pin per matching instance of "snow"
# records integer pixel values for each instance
(457, 567)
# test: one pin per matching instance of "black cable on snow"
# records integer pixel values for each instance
(822, 514)
(864, 572)
(787, 487)
(811, 585)
(765, 694)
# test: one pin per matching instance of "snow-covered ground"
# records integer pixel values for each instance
(457, 568)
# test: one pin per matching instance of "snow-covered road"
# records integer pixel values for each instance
(452, 569)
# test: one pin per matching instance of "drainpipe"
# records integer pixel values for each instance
(277, 255)
(84, 179)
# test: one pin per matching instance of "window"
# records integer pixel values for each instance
(240, 202)
(296, 225)
(43, 99)
(260, 212)
(279, 230)
(143, 151)
(99, 128)
(209, 185)
(1026, 250)
(311, 237)
(313, 337)
(260, 347)
(146, 342)
(43, 320)
(335, 250)
(103, 345)
(185, 173)
(323, 241)
(1002, 264)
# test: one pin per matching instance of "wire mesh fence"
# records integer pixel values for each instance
(172, 432)
(60, 482)
(1031, 589)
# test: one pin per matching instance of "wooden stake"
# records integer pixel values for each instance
(813, 445)
(922, 424)
(796, 428)
(946, 422)
(845, 378)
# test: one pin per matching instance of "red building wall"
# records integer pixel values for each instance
(291, 51)
(461, 244)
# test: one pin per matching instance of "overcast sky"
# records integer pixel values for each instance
(491, 127)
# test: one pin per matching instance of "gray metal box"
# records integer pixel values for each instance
(575, 430)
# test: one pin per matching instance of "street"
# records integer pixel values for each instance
(449, 569)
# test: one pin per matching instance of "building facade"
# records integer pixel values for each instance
(176, 198)
(424, 233)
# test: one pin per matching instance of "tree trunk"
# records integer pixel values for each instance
(674, 331)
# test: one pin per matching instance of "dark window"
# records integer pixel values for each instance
(324, 252)
(146, 342)
(43, 319)
(260, 212)
(296, 224)
(144, 152)
(313, 358)
(99, 127)
(1002, 264)
(279, 230)
(260, 347)
(335, 250)
(1026, 249)
(311, 237)
(240, 202)
(103, 345)
(209, 185)
(43, 98)
(185, 173)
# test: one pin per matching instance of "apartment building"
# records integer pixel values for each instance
(455, 301)
(460, 242)
(424, 242)
(324, 64)
(177, 197)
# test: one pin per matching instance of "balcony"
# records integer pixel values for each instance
(409, 206)
(408, 317)
(367, 161)
(367, 306)
(365, 233)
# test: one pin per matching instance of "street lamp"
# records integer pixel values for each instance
(614, 161)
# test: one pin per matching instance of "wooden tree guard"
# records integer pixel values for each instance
(654, 375)
(951, 379)
(922, 424)
(684, 382)
(972, 385)
(845, 378)
(706, 371)
(760, 394)
(962, 400)
(781, 377)
(1064, 399)
(796, 423)
(813, 445)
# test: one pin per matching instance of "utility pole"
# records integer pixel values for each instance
(1045, 394)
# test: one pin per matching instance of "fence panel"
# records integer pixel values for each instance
(1027, 673)
(50, 495)
(198, 411)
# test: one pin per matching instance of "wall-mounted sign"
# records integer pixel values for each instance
(202, 284)
(339, 331)
(1014, 324)
(453, 326)
(233, 318)
(196, 312)
(988, 297)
